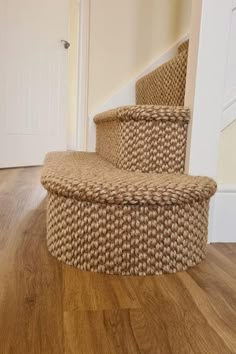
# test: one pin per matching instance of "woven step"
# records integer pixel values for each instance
(183, 46)
(104, 219)
(144, 138)
(166, 84)
(151, 136)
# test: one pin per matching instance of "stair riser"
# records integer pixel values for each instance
(127, 240)
(165, 85)
(108, 140)
(147, 146)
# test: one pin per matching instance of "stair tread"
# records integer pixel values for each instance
(88, 177)
(144, 113)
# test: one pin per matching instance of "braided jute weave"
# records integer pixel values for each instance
(104, 219)
(146, 138)
(166, 84)
(129, 209)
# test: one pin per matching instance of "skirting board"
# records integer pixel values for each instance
(223, 228)
(126, 95)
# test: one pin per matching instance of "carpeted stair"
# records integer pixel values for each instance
(129, 209)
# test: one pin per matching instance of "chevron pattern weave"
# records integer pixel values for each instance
(129, 209)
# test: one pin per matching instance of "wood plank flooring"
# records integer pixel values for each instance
(48, 307)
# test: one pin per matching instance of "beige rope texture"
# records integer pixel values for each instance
(104, 219)
(144, 138)
(129, 209)
(88, 177)
(166, 84)
(127, 240)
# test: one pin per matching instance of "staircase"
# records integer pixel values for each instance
(129, 209)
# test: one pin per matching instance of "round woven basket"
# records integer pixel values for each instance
(127, 240)
(103, 219)
(129, 208)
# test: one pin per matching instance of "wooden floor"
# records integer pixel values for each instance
(47, 307)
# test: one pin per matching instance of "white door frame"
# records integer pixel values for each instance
(83, 76)
(209, 41)
(34, 80)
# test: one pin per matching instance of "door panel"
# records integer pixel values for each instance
(33, 80)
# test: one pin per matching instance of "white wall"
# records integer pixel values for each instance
(126, 36)
(208, 54)
(209, 37)
(230, 84)
(227, 155)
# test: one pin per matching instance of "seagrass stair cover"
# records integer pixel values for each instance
(129, 209)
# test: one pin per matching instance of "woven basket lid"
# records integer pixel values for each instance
(88, 177)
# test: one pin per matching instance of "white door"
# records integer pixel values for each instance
(33, 80)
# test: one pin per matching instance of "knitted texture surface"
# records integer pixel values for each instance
(127, 240)
(183, 46)
(166, 84)
(88, 177)
(144, 138)
(129, 209)
(104, 219)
